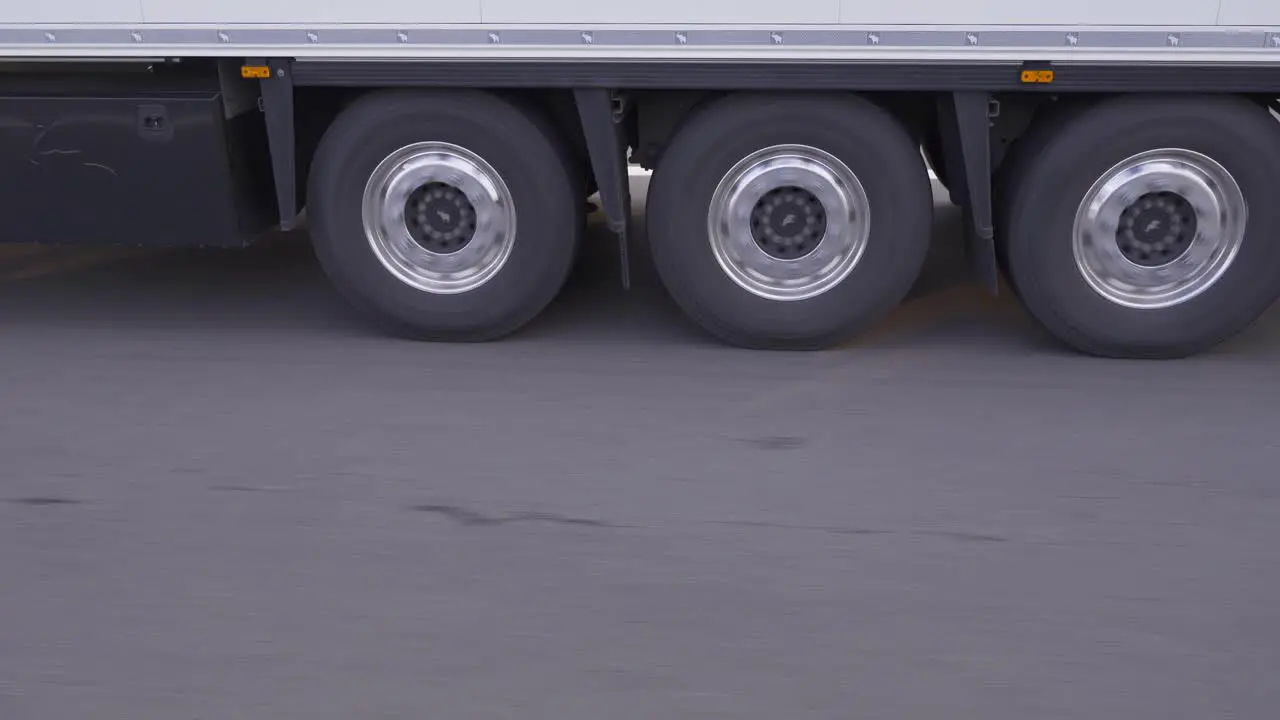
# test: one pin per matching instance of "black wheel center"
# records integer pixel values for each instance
(788, 222)
(440, 218)
(1156, 229)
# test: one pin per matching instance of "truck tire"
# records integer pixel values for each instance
(451, 215)
(1145, 227)
(1017, 159)
(789, 221)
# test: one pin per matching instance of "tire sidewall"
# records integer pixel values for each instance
(1040, 246)
(534, 169)
(860, 135)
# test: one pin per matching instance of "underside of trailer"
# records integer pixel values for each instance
(1118, 173)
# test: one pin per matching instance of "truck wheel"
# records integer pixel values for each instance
(452, 215)
(789, 222)
(1145, 227)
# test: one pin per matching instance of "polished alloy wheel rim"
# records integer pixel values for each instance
(439, 218)
(789, 222)
(1159, 228)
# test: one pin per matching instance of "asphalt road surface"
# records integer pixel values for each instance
(223, 498)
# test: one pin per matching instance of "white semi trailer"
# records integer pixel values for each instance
(1118, 161)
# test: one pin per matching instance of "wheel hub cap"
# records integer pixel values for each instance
(440, 218)
(789, 222)
(1159, 228)
(1156, 229)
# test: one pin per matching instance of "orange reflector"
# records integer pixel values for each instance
(1039, 77)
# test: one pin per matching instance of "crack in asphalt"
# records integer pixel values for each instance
(467, 516)
(43, 501)
(473, 518)
(816, 528)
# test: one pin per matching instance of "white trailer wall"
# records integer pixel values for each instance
(1249, 12)
(678, 12)
(72, 11)
(967, 13)
(1020, 12)
(286, 12)
(1201, 31)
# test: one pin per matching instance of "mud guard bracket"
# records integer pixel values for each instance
(965, 120)
(601, 113)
